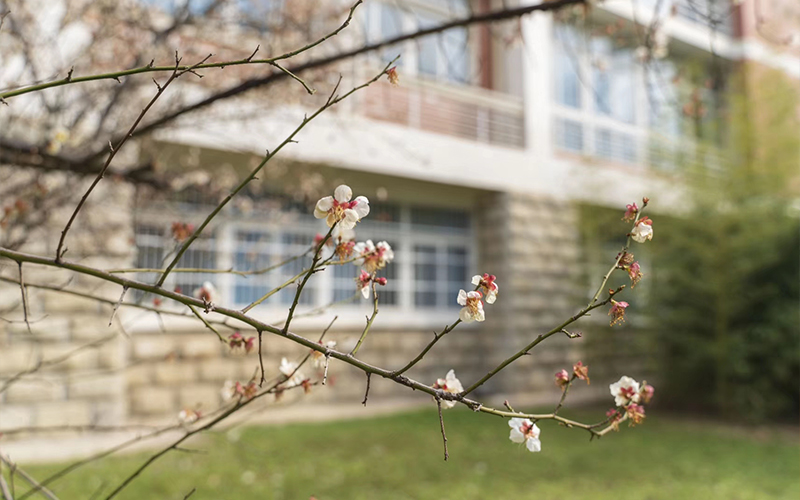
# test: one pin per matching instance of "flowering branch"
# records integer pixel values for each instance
(151, 68)
(176, 73)
(332, 101)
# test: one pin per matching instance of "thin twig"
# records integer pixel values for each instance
(288, 140)
(441, 424)
(366, 391)
(261, 361)
(436, 338)
(116, 306)
(29, 479)
(370, 319)
(24, 298)
(114, 150)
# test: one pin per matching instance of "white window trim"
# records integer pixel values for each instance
(401, 316)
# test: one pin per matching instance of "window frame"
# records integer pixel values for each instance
(402, 234)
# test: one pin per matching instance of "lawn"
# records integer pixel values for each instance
(400, 457)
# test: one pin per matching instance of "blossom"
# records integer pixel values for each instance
(625, 390)
(188, 416)
(238, 341)
(562, 378)
(487, 285)
(392, 75)
(207, 293)
(339, 208)
(617, 311)
(373, 257)
(344, 249)
(630, 212)
(290, 370)
(232, 389)
(342, 234)
(228, 391)
(643, 230)
(156, 302)
(181, 231)
(581, 371)
(449, 384)
(473, 306)
(635, 273)
(318, 357)
(525, 431)
(646, 394)
(613, 417)
(635, 414)
(362, 283)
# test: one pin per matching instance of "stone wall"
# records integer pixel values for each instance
(141, 374)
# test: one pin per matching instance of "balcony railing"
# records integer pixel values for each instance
(713, 14)
(468, 112)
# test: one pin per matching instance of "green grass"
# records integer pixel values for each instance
(400, 457)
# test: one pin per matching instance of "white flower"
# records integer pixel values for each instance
(625, 390)
(187, 417)
(473, 306)
(373, 257)
(362, 283)
(342, 234)
(449, 384)
(643, 231)
(319, 357)
(207, 292)
(293, 375)
(488, 285)
(338, 208)
(228, 390)
(525, 431)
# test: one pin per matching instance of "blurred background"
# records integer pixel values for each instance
(513, 142)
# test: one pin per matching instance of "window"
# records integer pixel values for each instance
(598, 90)
(432, 246)
(444, 56)
(156, 248)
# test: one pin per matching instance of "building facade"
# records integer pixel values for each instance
(480, 161)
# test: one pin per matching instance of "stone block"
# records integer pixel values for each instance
(73, 359)
(173, 372)
(152, 401)
(15, 416)
(205, 396)
(153, 347)
(63, 413)
(16, 358)
(219, 370)
(199, 346)
(26, 391)
(50, 328)
(100, 386)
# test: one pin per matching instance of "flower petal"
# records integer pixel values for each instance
(476, 279)
(516, 435)
(361, 206)
(462, 298)
(343, 193)
(534, 445)
(324, 204)
(365, 291)
(465, 315)
(491, 297)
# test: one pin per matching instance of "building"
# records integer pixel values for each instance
(483, 159)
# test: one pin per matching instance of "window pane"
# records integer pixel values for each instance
(425, 278)
(254, 251)
(456, 274)
(567, 78)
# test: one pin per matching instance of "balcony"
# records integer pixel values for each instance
(471, 113)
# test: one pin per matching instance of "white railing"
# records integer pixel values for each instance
(468, 112)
